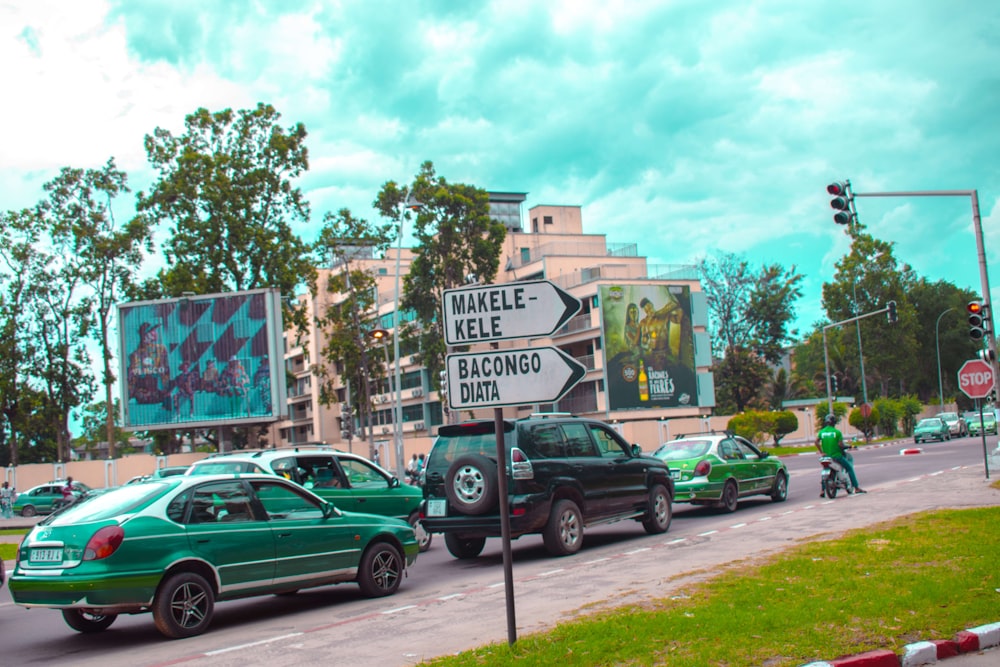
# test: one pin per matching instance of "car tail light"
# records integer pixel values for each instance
(520, 465)
(104, 543)
(703, 468)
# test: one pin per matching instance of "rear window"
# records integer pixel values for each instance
(678, 450)
(122, 500)
(224, 468)
(456, 440)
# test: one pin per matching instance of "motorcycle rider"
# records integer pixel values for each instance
(830, 442)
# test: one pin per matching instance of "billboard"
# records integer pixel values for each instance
(649, 346)
(201, 361)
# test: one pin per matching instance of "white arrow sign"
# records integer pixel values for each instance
(510, 310)
(510, 377)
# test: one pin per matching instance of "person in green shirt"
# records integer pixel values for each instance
(830, 442)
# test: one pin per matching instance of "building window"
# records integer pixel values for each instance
(525, 255)
(547, 219)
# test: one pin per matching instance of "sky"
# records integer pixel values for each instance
(690, 128)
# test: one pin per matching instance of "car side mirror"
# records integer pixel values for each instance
(764, 453)
(636, 450)
(394, 482)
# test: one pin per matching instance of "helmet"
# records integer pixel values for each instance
(830, 420)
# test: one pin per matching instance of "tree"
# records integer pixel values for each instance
(740, 378)
(345, 240)
(457, 241)
(750, 309)
(93, 423)
(864, 424)
(758, 425)
(103, 255)
(226, 186)
(867, 278)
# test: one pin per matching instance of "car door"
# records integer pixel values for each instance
(309, 548)
(241, 549)
(737, 466)
(372, 491)
(762, 470)
(624, 475)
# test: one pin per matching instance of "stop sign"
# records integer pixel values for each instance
(975, 378)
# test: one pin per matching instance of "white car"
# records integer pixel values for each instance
(956, 425)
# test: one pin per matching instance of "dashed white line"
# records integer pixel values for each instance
(636, 551)
(398, 609)
(596, 560)
(677, 541)
(240, 647)
(551, 572)
(706, 534)
(451, 597)
(764, 518)
(738, 525)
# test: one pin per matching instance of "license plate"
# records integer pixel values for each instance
(675, 474)
(46, 556)
(437, 507)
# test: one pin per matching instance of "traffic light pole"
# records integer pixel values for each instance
(991, 342)
(826, 354)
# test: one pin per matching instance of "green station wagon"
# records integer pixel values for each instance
(719, 469)
(349, 481)
(177, 546)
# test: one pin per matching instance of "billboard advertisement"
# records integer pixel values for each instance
(201, 360)
(649, 346)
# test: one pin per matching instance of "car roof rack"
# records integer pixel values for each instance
(726, 432)
(546, 415)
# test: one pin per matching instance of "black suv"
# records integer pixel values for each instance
(563, 474)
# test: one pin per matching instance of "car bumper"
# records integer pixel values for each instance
(697, 490)
(60, 590)
(528, 516)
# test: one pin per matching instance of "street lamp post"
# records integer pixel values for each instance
(411, 205)
(380, 335)
(937, 346)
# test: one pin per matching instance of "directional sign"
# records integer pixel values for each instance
(975, 378)
(510, 377)
(510, 310)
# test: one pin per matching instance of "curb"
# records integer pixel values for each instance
(922, 653)
(911, 450)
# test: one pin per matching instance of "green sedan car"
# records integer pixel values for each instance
(40, 499)
(177, 546)
(720, 469)
(988, 425)
(932, 428)
(349, 481)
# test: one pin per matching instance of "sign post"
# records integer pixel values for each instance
(487, 313)
(975, 379)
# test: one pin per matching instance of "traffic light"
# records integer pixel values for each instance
(841, 202)
(977, 319)
(443, 391)
(891, 313)
(346, 421)
(833, 384)
(987, 355)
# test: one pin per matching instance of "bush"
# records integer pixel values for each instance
(864, 424)
(759, 426)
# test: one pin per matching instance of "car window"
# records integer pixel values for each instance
(361, 475)
(219, 501)
(282, 502)
(682, 449)
(729, 450)
(224, 467)
(607, 442)
(545, 441)
(748, 450)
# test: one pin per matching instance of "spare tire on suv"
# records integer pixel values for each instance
(564, 474)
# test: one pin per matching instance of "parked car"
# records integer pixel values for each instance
(169, 471)
(987, 425)
(349, 481)
(564, 474)
(931, 428)
(42, 499)
(179, 545)
(956, 424)
(719, 469)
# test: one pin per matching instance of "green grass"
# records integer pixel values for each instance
(904, 583)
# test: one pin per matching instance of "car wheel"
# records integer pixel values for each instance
(730, 496)
(563, 534)
(381, 570)
(464, 547)
(779, 492)
(84, 621)
(471, 484)
(831, 486)
(660, 511)
(28, 510)
(423, 537)
(183, 605)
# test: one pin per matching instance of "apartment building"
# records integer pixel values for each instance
(633, 378)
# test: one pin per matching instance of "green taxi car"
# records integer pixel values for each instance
(720, 469)
(177, 546)
(988, 425)
(349, 481)
(932, 428)
(40, 499)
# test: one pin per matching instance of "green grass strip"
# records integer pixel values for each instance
(924, 576)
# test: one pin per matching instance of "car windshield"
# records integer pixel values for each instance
(948, 416)
(929, 422)
(682, 449)
(121, 500)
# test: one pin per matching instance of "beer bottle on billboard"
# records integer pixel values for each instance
(643, 382)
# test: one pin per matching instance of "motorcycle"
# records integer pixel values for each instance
(834, 477)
